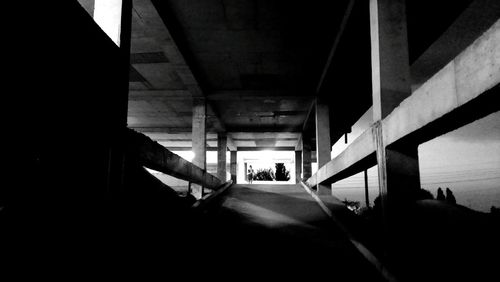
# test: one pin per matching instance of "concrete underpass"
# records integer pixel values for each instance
(131, 125)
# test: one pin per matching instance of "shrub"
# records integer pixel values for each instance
(282, 174)
(264, 174)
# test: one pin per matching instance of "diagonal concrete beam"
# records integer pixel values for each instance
(189, 76)
(154, 156)
(343, 24)
(230, 143)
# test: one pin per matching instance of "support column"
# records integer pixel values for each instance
(221, 156)
(323, 145)
(199, 137)
(107, 14)
(298, 166)
(306, 158)
(367, 195)
(397, 166)
(120, 13)
(233, 158)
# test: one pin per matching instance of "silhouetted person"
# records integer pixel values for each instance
(440, 195)
(250, 175)
(449, 197)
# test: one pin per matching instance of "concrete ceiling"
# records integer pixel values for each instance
(256, 62)
(259, 63)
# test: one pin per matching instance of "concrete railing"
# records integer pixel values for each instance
(464, 90)
(154, 156)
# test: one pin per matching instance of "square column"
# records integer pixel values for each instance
(323, 145)
(108, 15)
(233, 166)
(199, 137)
(389, 53)
(221, 156)
(298, 166)
(398, 167)
(306, 158)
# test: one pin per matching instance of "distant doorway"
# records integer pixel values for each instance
(269, 167)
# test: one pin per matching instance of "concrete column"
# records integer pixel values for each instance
(323, 145)
(233, 167)
(221, 156)
(389, 53)
(306, 158)
(199, 137)
(107, 14)
(397, 166)
(119, 25)
(298, 166)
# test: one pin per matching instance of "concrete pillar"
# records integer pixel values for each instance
(298, 166)
(107, 14)
(221, 156)
(233, 167)
(199, 137)
(306, 158)
(323, 145)
(397, 166)
(120, 23)
(389, 53)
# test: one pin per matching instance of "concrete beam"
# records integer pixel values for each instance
(213, 149)
(141, 95)
(457, 95)
(266, 148)
(476, 19)
(271, 96)
(467, 82)
(309, 114)
(361, 151)
(184, 94)
(191, 79)
(230, 144)
(154, 156)
(343, 24)
(298, 147)
(161, 129)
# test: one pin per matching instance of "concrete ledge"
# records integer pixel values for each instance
(470, 75)
(353, 159)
